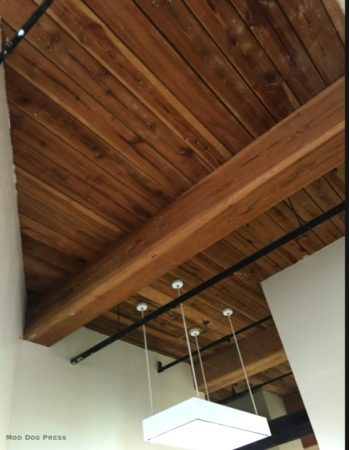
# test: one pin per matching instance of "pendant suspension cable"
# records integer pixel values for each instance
(148, 368)
(228, 313)
(255, 388)
(189, 351)
(141, 307)
(161, 368)
(195, 332)
(202, 369)
(177, 285)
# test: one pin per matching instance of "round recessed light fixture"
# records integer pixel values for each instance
(142, 307)
(194, 332)
(227, 312)
(177, 284)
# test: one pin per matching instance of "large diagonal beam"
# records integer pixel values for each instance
(298, 150)
(261, 351)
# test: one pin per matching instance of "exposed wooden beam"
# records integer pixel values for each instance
(293, 402)
(260, 351)
(298, 150)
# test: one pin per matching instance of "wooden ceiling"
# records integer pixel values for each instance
(119, 108)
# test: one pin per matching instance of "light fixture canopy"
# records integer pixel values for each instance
(194, 332)
(142, 306)
(177, 284)
(198, 424)
(227, 312)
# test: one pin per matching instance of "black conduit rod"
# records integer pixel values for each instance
(12, 44)
(254, 388)
(226, 338)
(210, 282)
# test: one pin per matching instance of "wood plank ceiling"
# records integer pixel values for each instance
(118, 108)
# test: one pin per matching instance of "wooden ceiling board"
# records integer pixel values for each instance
(144, 39)
(273, 31)
(262, 350)
(92, 113)
(44, 235)
(55, 164)
(88, 30)
(227, 28)
(318, 34)
(180, 28)
(46, 253)
(335, 12)
(78, 216)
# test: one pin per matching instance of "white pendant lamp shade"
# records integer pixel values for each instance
(198, 424)
(202, 425)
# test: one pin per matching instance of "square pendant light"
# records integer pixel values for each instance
(202, 425)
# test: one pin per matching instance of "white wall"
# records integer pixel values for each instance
(307, 304)
(98, 404)
(11, 271)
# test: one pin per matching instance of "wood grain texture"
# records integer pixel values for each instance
(71, 97)
(88, 30)
(271, 27)
(187, 36)
(260, 351)
(129, 105)
(227, 29)
(313, 134)
(125, 107)
(131, 26)
(319, 36)
(285, 386)
(336, 14)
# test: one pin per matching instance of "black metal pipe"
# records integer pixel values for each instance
(226, 338)
(28, 24)
(212, 281)
(284, 429)
(254, 388)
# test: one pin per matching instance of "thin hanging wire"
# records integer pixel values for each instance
(243, 366)
(189, 349)
(148, 367)
(202, 367)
